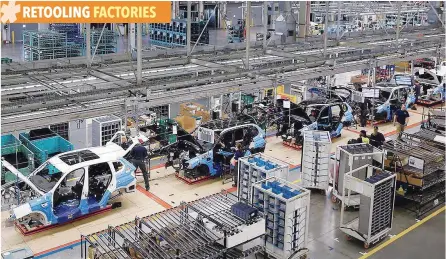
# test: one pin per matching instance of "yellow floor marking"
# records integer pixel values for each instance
(414, 226)
(297, 181)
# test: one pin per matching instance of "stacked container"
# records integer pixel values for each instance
(286, 208)
(255, 168)
(316, 159)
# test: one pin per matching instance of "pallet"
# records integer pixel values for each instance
(428, 103)
(191, 181)
(291, 145)
(36, 230)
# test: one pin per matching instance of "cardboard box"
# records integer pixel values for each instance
(407, 178)
(188, 123)
(190, 109)
(360, 79)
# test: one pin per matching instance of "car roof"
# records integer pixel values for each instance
(110, 152)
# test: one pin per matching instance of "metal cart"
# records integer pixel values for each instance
(348, 158)
(377, 198)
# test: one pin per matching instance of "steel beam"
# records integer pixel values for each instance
(248, 32)
(291, 55)
(265, 23)
(139, 54)
(88, 43)
(188, 27)
(213, 65)
(30, 120)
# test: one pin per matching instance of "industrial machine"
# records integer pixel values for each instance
(70, 185)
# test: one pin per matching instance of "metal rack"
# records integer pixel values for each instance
(255, 168)
(105, 42)
(420, 172)
(351, 157)
(18, 155)
(377, 198)
(38, 45)
(200, 229)
(434, 119)
(287, 211)
(173, 34)
(62, 129)
(103, 129)
(316, 159)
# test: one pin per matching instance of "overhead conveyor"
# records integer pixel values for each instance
(60, 95)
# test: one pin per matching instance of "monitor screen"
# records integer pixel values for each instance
(370, 92)
(403, 80)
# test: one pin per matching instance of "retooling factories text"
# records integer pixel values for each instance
(84, 12)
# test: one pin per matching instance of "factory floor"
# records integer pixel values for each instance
(325, 238)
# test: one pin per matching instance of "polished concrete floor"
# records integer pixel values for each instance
(425, 241)
(325, 238)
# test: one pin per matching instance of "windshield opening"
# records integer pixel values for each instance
(47, 177)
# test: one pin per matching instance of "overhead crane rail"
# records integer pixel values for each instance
(83, 101)
(178, 56)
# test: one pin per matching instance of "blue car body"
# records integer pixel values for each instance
(206, 159)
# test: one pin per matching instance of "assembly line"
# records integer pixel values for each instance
(327, 142)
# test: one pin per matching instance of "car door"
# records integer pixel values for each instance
(336, 112)
(100, 176)
(323, 121)
(68, 194)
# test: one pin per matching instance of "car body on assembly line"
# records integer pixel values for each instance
(324, 114)
(196, 159)
(73, 184)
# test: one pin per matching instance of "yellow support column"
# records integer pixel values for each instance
(12, 37)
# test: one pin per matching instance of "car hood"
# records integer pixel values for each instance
(23, 178)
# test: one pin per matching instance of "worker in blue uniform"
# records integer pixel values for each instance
(139, 155)
(238, 153)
